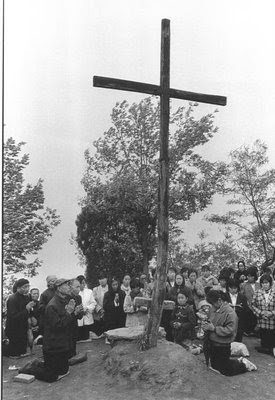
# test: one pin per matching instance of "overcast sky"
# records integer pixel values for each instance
(53, 49)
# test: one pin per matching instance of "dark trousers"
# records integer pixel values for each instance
(83, 332)
(182, 333)
(165, 323)
(98, 327)
(220, 360)
(17, 345)
(267, 338)
(55, 364)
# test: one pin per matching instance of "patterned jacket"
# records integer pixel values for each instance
(247, 290)
(259, 305)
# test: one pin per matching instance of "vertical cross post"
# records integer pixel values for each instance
(163, 225)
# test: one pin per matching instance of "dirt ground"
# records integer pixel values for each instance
(90, 381)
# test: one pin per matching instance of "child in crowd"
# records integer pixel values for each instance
(135, 315)
(183, 320)
(203, 315)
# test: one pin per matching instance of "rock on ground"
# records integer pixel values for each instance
(165, 367)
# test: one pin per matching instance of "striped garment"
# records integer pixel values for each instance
(259, 304)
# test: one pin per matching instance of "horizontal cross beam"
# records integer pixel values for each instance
(132, 86)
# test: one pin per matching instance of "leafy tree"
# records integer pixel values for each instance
(27, 225)
(110, 230)
(224, 253)
(129, 151)
(251, 191)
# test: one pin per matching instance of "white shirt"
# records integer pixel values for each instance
(89, 305)
(233, 299)
(98, 293)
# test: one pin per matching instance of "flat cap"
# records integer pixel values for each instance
(60, 281)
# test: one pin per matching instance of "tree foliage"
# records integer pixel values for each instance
(250, 188)
(127, 156)
(27, 224)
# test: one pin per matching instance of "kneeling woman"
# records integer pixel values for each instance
(114, 315)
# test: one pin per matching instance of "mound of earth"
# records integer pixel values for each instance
(165, 367)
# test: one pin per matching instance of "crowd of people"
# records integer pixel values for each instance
(215, 309)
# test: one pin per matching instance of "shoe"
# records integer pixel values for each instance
(62, 376)
(94, 336)
(248, 364)
(214, 370)
(84, 341)
(107, 341)
(36, 340)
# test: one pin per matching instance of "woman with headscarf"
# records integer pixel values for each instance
(114, 315)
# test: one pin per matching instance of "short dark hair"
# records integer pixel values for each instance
(252, 271)
(172, 269)
(233, 283)
(213, 296)
(34, 289)
(81, 278)
(266, 277)
(134, 283)
(184, 269)
(205, 267)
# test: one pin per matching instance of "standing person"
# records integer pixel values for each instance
(206, 279)
(125, 286)
(45, 297)
(222, 329)
(263, 306)
(114, 315)
(223, 282)
(239, 304)
(135, 315)
(196, 287)
(180, 287)
(183, 320)
(99, 292)
(57, 341)
(18, 313)
(77, 314)
(35, 314)
(241, 273)
(86, 322)
(248, 289)
(143, 280)
(185, 273)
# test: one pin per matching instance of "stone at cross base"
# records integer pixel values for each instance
(136, 332)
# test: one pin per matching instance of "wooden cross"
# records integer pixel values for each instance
(165, 93)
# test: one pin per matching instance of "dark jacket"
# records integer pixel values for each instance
(241, 304)
(173, 292)
(45, 298)
(114, 317)
(17, 315)
(58, 326)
